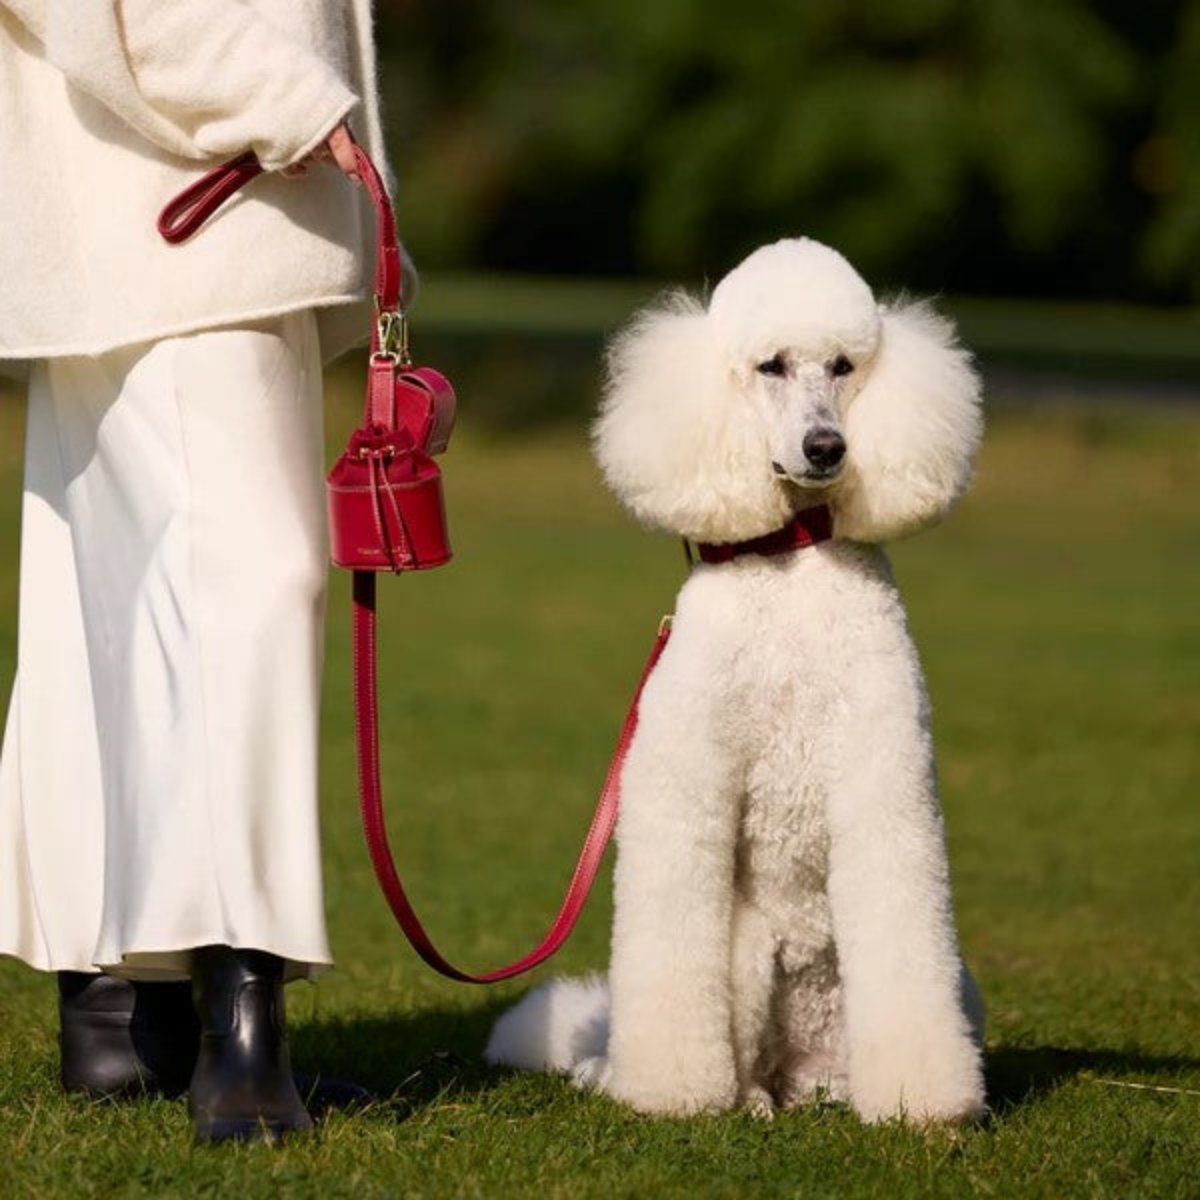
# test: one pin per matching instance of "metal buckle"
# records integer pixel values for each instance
(392, 334)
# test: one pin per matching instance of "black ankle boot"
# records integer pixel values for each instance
(242, 1086)
(120, 1039)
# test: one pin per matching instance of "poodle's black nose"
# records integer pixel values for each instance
(824, 448)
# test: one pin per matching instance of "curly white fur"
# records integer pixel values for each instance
(783, 926)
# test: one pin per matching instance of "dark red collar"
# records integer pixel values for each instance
(806, 528)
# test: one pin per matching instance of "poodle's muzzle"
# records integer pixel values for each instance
(824, 454)
(804, 431)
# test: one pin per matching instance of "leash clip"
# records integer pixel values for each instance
(392, 332)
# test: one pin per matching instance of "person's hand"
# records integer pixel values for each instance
(337, 150)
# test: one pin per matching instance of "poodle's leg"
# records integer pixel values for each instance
(813, 1061)
(754, 981)
(910, 1042)
(670, 1044)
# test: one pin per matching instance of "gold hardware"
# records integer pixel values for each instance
(392, 331)
(405, 356)
(664, 626)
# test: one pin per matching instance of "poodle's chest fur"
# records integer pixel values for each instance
(769, 642)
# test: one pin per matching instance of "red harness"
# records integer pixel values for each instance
(385, 515)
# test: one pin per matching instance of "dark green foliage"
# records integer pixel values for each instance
(971, 145)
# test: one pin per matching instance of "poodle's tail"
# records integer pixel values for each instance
(556, 1027)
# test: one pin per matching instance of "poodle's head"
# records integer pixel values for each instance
(793, 388)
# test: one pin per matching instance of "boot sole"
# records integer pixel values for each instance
(241, 1130)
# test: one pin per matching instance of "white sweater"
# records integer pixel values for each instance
(110, 107)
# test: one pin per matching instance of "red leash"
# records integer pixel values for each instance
(181, 218)
(415, 539)
(370, 791)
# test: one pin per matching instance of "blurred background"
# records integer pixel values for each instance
(1038, 165)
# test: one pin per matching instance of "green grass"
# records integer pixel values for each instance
(1057, 614)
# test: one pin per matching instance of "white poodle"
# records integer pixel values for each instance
(783, 926)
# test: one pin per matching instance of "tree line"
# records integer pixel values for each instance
(998, 146)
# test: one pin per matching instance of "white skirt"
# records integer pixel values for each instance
(158, 782)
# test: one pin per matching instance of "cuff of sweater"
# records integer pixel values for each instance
(274, 154)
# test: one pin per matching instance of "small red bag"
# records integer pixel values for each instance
(384, 495)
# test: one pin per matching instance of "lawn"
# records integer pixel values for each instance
(1057, 615)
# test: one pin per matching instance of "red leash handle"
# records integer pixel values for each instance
(366, 722)
(185, 213)
(388, 269)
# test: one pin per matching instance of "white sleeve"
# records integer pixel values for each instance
(199, 80)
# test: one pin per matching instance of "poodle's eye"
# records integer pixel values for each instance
(841, 366)
(772, 366)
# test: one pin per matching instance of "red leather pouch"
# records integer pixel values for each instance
(384, 495)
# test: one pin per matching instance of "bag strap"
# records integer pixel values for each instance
(371, 800)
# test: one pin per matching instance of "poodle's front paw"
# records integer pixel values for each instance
(758, 1102)
(814, 1077)
(674, 1093)
(919, 1081)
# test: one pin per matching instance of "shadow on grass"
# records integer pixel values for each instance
(1017, 1075)
(414, 1061)
(409, 1061)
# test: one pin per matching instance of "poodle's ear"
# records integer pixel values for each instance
(675, 443)
(912, 431)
